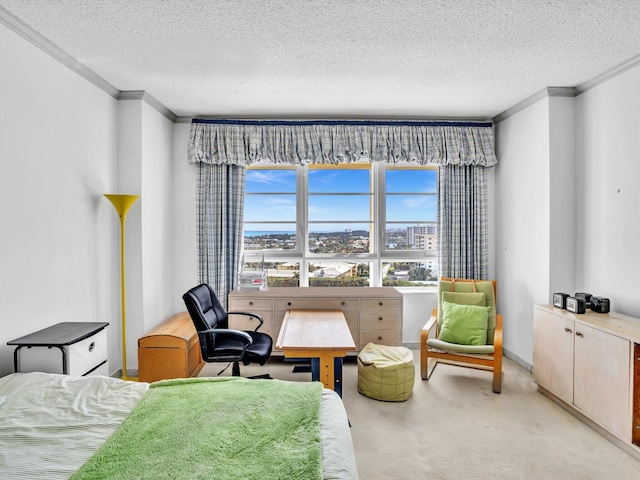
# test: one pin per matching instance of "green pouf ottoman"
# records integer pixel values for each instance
(386, 373)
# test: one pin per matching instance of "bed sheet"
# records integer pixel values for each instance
(51, 424)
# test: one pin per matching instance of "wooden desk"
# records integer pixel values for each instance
(323, 336)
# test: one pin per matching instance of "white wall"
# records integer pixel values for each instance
(184, 212)
(145, 168)
(608, 194)
(567, 204)
(58, 247)
(522, 223)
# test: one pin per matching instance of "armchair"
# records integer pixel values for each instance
(485, 354)
(218, 343)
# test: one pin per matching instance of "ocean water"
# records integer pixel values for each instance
(257, 233)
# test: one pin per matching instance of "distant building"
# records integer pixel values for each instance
(426, 242)
(417, 233)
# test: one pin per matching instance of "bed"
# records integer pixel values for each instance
(57, 426)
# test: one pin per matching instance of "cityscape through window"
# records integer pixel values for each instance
(359, 224)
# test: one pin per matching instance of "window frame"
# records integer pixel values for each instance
(378, 253)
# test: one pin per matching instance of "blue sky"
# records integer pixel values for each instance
(403, 205)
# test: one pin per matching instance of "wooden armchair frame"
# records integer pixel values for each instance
(490, 362)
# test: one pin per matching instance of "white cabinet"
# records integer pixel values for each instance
(586, 362)
(602, 378)
(374, 314)
(73, 348)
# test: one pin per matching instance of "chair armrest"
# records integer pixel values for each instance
(431, 322)
(424, 350)
(226, 332)
(249, 314)
(497, 336)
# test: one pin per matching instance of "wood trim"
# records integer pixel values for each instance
(635, 427)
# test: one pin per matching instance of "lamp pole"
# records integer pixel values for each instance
(122, 203)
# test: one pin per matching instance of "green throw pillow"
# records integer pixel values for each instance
(464, 324)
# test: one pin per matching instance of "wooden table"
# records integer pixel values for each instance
(323, 336)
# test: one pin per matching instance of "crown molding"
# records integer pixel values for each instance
(536, 97)
(48, 47)
(25, 31)
(608, 75)
(150, 100)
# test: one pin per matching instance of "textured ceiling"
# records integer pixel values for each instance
(337, 58)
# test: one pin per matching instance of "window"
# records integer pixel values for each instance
(357, 224)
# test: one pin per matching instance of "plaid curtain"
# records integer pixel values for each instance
(462, 221)
(223, 148)
(220, 213)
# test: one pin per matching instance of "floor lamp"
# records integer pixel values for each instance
(122, 203)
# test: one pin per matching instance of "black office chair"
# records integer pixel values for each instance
(218, 343)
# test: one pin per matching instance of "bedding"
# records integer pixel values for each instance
(55, 426)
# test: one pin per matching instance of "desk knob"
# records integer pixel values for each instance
(379, 318)
(379, 303)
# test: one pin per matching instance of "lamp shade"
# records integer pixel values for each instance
(121, 202)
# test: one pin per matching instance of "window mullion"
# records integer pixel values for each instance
(302, 216)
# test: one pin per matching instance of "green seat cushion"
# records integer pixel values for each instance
(464, 324)
(465, 349)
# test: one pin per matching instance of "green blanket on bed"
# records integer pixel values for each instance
(224, 428)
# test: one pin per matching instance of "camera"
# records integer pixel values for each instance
(599, 304)
(560, 300)
(576, 304)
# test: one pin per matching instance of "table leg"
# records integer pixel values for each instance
(331, 375)
(337, 373)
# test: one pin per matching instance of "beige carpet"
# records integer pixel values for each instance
(454, 427)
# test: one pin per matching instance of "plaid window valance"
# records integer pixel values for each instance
(249, 142)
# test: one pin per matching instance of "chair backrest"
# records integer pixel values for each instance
(488, 287)
(205, 309)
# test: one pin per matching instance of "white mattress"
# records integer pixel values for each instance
(51, 424)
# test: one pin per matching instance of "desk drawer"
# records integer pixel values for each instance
(382, 320)
(380, 337)
(315, 304)
(385, 304)
(249, 304)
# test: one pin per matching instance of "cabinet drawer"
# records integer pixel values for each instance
(87, 354)
(315, 304)
(81, 357)
(381, 337)
(102, 369)
(383, 320)
(249, 304)
(242, 322)
(377, 304)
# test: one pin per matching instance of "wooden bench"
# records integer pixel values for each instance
(171, 350)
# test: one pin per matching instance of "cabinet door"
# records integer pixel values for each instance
(553, 353)
(602, 379)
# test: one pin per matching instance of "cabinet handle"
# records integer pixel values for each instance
(567, 329)
(379, 318)
(250, 303)
(92, 345)
(379, 338)
(342, 303)
(379, 303)
(578, 334)
(289, 303)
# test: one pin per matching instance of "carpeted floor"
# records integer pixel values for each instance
(454, 427)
